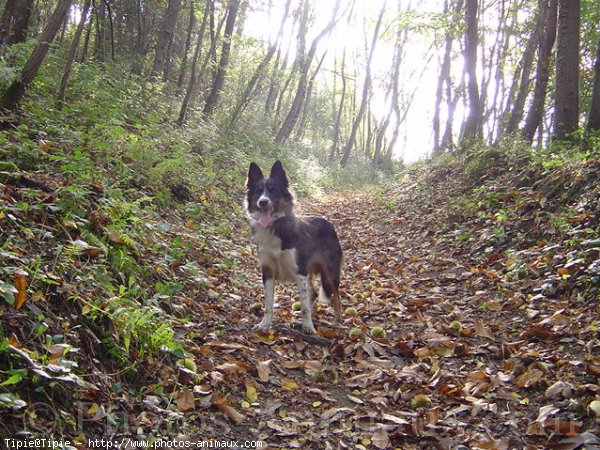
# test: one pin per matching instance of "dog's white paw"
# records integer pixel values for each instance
(308, 328)
(263, 326)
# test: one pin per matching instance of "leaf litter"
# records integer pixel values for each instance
(490, 340)
(485, 301)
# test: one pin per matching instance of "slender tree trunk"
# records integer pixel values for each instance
(189, 94)
(260, 70)
(304, 63)
(526, 65)
(566, 105)
(365, 94)
(100, 36)
(86, 40)
(111, 28)
(379, 159)
(188, 45)
(309, 90)
(14, 93)
(535, 114)
(452, 98)
(444, 75)
(165, 37)
(15, 21)
(472, 125)
(219, 81)
(338, 117)
(593, 124)
(72, 52)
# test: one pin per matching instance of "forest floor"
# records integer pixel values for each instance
(487, 295)
(490, 341)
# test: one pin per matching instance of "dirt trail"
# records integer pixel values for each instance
(456, 365)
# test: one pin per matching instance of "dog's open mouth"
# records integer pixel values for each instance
(266, 214)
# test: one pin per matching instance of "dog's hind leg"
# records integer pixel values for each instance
(329, 292)
(269, 284)
(305, 300)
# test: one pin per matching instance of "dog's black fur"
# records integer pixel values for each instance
(291, 248)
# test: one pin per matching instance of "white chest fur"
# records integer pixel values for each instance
(282, 262)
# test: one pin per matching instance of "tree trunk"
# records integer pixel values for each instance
(86, 40)
(444, 75)
(535, 113)
(15, 21)
(14, 93)
(472, 125)
(100, 35)
(165, 37)
(72, 52)
(365, 94)
(309, 90)
(525, 66)
(379, 159)
(186, 50)
(219, 81)
(189, 94)
(593, 124)
(338, 117)
(260, 70)
(304, 61)
(566, 105)
(452, 98)
(111, 28)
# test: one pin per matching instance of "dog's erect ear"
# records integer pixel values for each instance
(277, 173)
(254, 174)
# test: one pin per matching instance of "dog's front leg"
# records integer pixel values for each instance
(269, 284)
(305, 302)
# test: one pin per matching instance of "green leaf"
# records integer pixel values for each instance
(15, 378)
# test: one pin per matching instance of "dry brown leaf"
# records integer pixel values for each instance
(380, 438)
(482, 330)
(263, 369)
(222, 404)
(185, 401)
(20, 283)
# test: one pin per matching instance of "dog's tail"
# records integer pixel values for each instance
(330, 285)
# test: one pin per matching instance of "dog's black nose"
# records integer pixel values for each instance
(263, 202)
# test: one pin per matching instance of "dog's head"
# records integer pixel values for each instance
(267, 199)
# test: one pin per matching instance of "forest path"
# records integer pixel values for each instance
(461, 362)
(477, 351)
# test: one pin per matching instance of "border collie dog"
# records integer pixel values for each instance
(291, 248)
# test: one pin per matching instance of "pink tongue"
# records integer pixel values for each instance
(265, 218)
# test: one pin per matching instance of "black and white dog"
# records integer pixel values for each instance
(291, 248)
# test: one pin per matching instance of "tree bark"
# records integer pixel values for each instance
(15, 21)
(304, 61)
(188, 45)
(566, 105)
(14, 93)
(365, 94)
(86, 40)
(260, 70)
(535, 113)
(189, 94)
(165, 37)
(444, 75)
(338, 116)
(525, 66)
(72, 52)
(309, 90)
(593, 124)
(219, 81)
(472, 125)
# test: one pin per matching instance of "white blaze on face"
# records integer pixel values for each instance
(266, 213)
